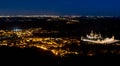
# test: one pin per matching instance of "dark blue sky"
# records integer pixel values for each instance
(61, 7)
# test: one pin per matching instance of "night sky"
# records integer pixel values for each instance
(60, 7)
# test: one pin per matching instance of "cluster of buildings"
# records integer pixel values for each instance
(98, 39)
(59, 46)
(25, 38)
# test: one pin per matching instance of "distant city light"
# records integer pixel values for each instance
(16, 29)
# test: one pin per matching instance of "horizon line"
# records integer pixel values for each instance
(50, 15)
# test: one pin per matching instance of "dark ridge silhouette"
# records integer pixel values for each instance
(14, 55)
(35, 56)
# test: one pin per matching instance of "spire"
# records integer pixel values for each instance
(91, 33)
(99, 35)
(113, 37)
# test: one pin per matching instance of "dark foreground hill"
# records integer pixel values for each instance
(34, 56)
(14, 55)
